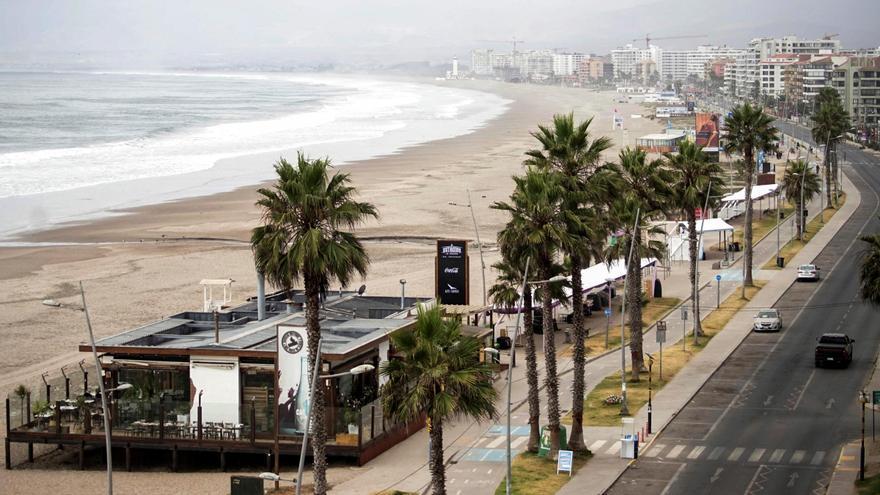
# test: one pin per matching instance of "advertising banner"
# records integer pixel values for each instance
(293, 379)
(452, 272)
(707, 130)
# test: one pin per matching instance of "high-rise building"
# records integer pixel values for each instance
(858, 82)
(678, 65)
(627, 61)
(745, 78)
(567, 64)
(481, 62)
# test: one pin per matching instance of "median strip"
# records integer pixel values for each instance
(794, 246)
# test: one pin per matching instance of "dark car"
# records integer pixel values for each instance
(834, 349)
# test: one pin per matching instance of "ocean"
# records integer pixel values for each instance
(78, 145)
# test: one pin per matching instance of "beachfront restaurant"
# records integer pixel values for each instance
(660, 143)
(204, 381)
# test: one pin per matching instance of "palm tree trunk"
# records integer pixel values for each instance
(634, 302)
(800, 218)
(318, 424)
(692, 250)
(438, 469)
(576, 439)
(749, 173)
(551, 381)
(532, 376)
(828, 200)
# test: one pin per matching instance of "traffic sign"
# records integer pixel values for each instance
(876, 397)
(607, 311)
(718, 278)
(564, 462)
(661, 331)
(684, 313)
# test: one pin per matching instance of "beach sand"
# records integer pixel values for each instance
(160, 253)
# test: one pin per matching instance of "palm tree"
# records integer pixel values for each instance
(829, 123)
(642, 187)
(694, 176)
(540, 221)
(567, 149)
(301, 238)
(799, 174)
(748, 130)
(438, 374)
(506, 293)
(869, 276)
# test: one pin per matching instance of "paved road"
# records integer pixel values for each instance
(768, 421)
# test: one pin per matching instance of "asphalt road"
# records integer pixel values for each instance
(768, 421)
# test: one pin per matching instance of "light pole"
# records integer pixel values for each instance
(402, 292)
(624, 411)
(650, 389)
(863, 398)
(778, 219)
(357, 370)
(697, 329)
(479, 244)
(609, 281)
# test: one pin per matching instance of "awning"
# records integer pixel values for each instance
(708, 225)
(758, 192)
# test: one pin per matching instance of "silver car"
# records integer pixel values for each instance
(808, 272)
(768, 320)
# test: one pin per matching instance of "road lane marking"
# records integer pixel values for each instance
(597, 445)
(798, 456)
(675, 451)
(696, 452)
(817, 458)
(776, 456)
(519, 441)
(615, 448)
(757, 454)
(716, 453)
(801, 395)
(496, 442)
(655, 450)
(736, 454)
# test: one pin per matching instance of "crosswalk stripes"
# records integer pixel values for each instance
(817, 458)
(798, 456)
(496, 442)
(655, 450)
(736, 454)
(716, 453)
(595, 446)
(675, 451)
(757, 454)
(615, 448)
(776, 456)
(518, 441)
(696, 452)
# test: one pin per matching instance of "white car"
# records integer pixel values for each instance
(768, 320)
(808, 272)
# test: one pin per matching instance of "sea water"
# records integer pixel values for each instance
(76, 145)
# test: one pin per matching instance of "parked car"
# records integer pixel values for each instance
(768, 320)
(808, 272)
(834, 348)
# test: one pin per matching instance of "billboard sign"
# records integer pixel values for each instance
(707, 127)
(293, 378)
(452, 272)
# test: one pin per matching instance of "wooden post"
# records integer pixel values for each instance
(222, 460)
(253, 423)
(58, 418)
(161, 417)
(31, 452)
(82, 455)
(8, 454)
(8, 426)
(28, 406)
(128, 457)
(67, 387)
(174, 458)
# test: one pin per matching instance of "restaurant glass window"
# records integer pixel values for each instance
(153, 392)
(258, 392)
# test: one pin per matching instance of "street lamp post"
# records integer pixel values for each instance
(470, 205)
(609, 281)
(650, 389)
(863, 398)
(624, 411)
(357, 370)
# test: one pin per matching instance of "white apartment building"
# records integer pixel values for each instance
(567, 64)
(744, 75)
(482, 62)
(680, 64)
(772, 72)
(627, 61)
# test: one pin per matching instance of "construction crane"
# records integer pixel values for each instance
(515, 41)
(829, 36)
(648, 39)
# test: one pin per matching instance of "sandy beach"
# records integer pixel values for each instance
(156, 255)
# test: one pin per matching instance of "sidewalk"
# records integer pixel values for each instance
(597, 477)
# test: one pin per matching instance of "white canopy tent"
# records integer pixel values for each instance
(733, 205)
(677, 243)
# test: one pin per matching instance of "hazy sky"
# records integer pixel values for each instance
(160, 32)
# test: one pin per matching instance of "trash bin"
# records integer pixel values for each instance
(780, 261)
(544, 447)
(736, 246)
(628, 447)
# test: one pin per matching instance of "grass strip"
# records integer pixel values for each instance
(535, 475)
(794, 246)
(597, 413)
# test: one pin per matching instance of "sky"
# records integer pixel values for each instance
(169, 33)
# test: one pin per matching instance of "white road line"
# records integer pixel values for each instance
(798, 456)
(716, 453)
(480, 441)
(484, 458)
(817, 458)
(519, 441)
(696, 452)
(757, 454)
(595, 446)
(615, 448)
(776, 456)
(675, 451)
(490, 472)
(655, 450)
(496, 442)
(801, 395)
(736, 454)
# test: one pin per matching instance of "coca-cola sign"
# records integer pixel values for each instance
(452, 272)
